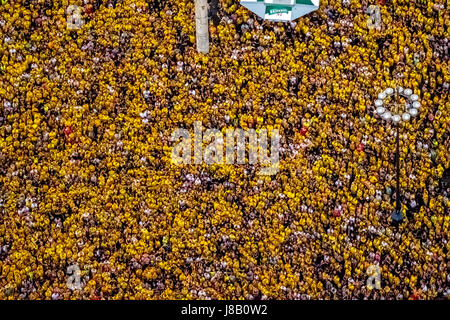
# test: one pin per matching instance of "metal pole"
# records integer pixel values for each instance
(397, 191)
(397, 155)
(201, 20)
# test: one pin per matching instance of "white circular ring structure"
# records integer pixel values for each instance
(411, 105)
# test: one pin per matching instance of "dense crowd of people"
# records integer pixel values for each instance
(86, 177)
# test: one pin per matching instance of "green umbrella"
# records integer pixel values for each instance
(281, 10)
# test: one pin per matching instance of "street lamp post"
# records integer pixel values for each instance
(201, 21)
(397, 113)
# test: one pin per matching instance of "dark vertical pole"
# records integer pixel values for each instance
(397, 191)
